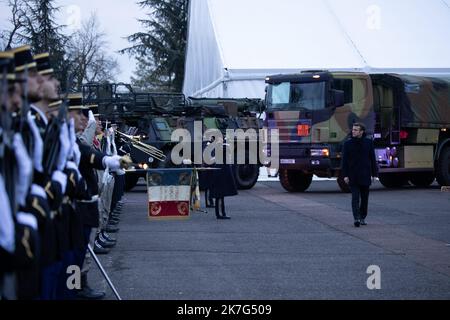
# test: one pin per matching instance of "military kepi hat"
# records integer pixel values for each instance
(7, 66)
(43, 63)
(23, 58)
(93, 108)
(76, 102)
(54, 105)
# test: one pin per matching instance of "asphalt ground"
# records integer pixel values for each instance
(279, 245)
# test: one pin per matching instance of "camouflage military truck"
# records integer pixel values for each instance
(408, 117)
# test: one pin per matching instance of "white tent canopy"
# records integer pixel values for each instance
(234, 44)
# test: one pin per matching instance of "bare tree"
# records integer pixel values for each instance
(9, 38)
(33, 22)
(87, 51)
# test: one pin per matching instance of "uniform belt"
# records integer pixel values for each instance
(66, 200)
(92, 200)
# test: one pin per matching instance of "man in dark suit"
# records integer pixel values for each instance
(358, 167)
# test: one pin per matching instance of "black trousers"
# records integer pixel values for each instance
(222, 206)
(118, 190)
(360, 201)
(209, 200)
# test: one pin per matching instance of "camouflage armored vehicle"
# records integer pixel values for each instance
(223, 114)
(407, 116)
(148, 120)
(142, 119)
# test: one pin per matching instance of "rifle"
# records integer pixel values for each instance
(52, 144)
(7, 156)
(23, 126)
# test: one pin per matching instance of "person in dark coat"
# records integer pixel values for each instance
(205, 180)
(222, 183)
(359, 167)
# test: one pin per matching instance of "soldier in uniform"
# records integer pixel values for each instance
(90, 161)
(17, 157)
(7, 228)
(106, 185)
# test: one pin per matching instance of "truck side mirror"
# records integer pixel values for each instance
(338, 98)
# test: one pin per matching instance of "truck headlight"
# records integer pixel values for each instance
(320, 152)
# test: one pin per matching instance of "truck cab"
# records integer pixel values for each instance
(314, 112)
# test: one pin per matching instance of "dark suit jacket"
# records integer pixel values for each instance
(358, 161)
(91, 159)
(222, 183)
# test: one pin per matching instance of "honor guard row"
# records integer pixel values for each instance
(61, 182)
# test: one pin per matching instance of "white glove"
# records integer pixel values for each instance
(73, 166)
(37, 190)
(65, 146)
(38, 147)
(120, 172)
(27, 219)
(25, 169)
(112, 162)
(61, 178)
(91, 117)
(7, 224)
(76, 154)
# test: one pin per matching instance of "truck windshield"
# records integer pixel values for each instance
(296, 96)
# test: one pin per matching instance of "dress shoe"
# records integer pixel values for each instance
(111, 229)
(105, 244)
(223, 217)
(357, 223)
(363, 223)
(113, 222)
(87, 292)
(90, 294)
(103, 239)
(98, 249)
(108, 236)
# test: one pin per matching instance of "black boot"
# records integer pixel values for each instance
(208, 199)
(218, 216)
(224, 216)
(87, 292)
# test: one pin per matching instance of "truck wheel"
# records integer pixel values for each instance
(422, 179)
(392, 180)
(342, 185)
(130, 181)
(443, 167)
(295, 180)
(246, 175)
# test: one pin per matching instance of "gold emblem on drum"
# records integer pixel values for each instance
(155, 208)
(184, 179)
(183, 208)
